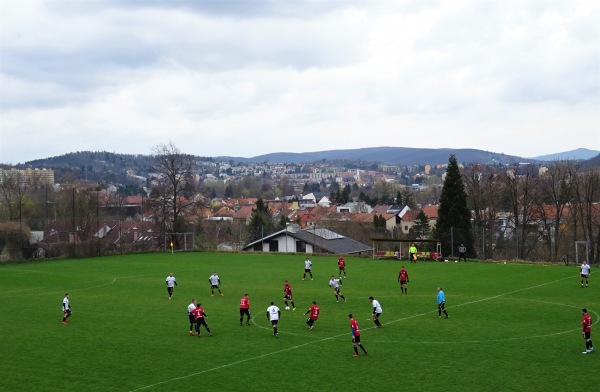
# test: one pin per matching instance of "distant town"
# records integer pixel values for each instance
(114, 203)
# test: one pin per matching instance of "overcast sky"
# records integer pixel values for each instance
(245, 78)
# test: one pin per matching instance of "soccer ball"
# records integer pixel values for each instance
(287, 308)
(456, 261)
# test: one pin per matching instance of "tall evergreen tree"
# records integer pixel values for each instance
(454, 217)
(421, 227)
(346, 194)
(399, 200)
(261, 222)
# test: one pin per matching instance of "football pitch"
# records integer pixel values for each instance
(512, 327)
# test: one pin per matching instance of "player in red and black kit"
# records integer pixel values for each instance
(314, 311)
(287, 294)
(403, 279)
(355, 336)
(245, 309)
(586, 325)
(342, 266)
(200, 319)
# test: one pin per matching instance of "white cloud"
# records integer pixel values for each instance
(515, 77)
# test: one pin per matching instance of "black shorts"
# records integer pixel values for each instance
(244, 311)
(306, 269)
(170, 290)
(201, 321)
(214, 286)
(442, 306)
(403, 282)
(191, 318)
(310, 321)
(356, 339)
(274, 322)
(67, 312)
(288, 297)
(587, 335)
(585, 276)
(376, 316)
(336, 290)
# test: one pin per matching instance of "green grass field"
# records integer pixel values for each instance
(511, 327)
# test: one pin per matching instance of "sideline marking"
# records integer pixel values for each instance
(330, 338)
(53, 292)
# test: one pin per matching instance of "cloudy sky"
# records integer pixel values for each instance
(245, 78)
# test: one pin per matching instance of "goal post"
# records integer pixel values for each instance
(180, 242)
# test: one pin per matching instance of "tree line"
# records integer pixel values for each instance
(509, 212)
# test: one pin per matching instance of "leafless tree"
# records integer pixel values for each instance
(79, 205)
(586, 209)
(482, 188)
(557, 192)
(518, 191)
(175, 183)
(13, 189)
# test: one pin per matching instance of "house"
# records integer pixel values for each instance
(408, 218)
(114, 234)
(293, 239)
(243, 215)
(355, 207)
(431, 210)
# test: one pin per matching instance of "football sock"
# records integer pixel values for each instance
(356, 350)
(286, 303)
(361, 347)
(293, 306)
(337, 298)
(274, 330)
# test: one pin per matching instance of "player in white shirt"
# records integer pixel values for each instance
(307, 268)
(66, 308)
(335, 283)
(585, 273)
(171, 283)
(273, 315)
(191, 316)
(376, 311)
(215, 283)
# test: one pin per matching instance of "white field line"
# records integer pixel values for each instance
(71, 291)
(330, 338)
